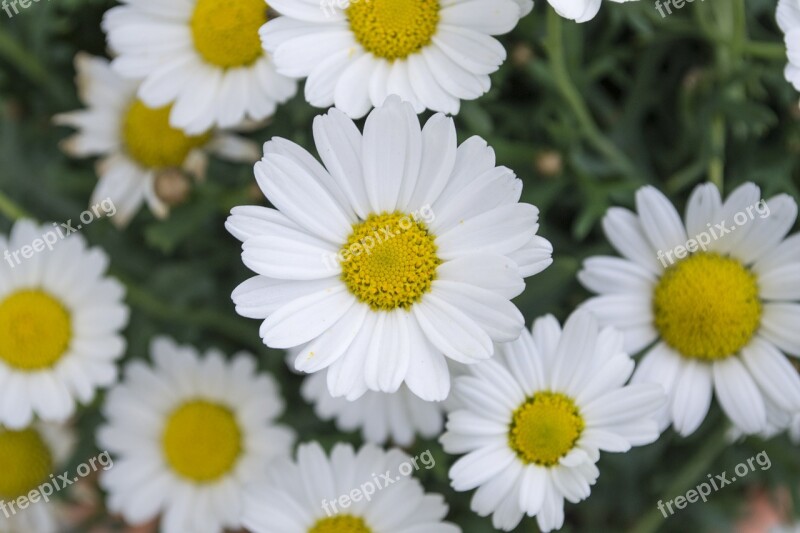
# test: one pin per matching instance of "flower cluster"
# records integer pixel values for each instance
(405, 326)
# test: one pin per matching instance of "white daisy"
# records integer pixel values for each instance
(318, 494)
(380, 416)
(534, 420)
(204, 56)
(140, 150)
(189, 434)
(404, 249)
(29, 457)
(788, 16)
(719, 313)
(431, 53)
(578, 10)
(60, 323)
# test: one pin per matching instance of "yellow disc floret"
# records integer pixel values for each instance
(340, 524)
(545, 428)
(202, 441)
(152, 142)
(394, 29)
(389, 261)
(707, 307)
(25, 462)
(35, 330)
(225, 32)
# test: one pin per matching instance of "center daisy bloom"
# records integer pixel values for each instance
(202, 56)
(303, 496)
(28, 458)
(432, 53)
(143, 155)
(406, 247)
(533, 420)
(60, 323)
(718, 296)
(190, 434)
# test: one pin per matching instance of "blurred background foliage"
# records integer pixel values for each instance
(584, 114)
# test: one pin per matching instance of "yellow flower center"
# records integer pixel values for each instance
(25, 462)
(340, 524)
(545, 428)
(389, 261)
(152, 142)
(225, 32)
(707, 307)
(393, 29)
(202, 441)
(35, 329)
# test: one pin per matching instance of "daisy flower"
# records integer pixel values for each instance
(203, 56)
(404, 250)
(188, 434)
(716, 297)
(578, 10)
(60, 321)
(431, 53)
(29, 457)
(534, 420)
(788, 16)
(380, 416)
(350, 491)
(141, 151)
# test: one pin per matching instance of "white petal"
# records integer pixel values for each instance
(692, 397)
(739, 396)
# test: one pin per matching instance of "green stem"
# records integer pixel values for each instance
(16, 54)
(561, 77)
(686, 176)
(716, 166)
(776, 51)
(687, 478)
(740, 29)
(221, 324)
(10, 210)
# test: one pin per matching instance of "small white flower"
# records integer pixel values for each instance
(405, 250)
(788, 16)
(305, 496)
(28, 459)
(533, 420)
(188, 435)
(60, 323)
(203, 56)
(138, 146)
(720, 314)
(431, 53)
